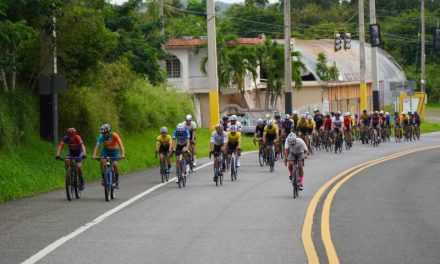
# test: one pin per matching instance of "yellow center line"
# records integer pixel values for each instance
(325, 219)
(306, 235)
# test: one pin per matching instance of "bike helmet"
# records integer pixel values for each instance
(219, 127)
(71, 132)
(403, 113)
(415, 112)
(277, 116)
(105, 128)
(345, 115)
(387, 113)
(381, 112)
(163, 130)
(295, 112)
(269, 123)
(376, 112)
(302, 116)
(233, 118)
(180, 128)
(364, 111)
(188, 118)
(260, 121)
(309, 117)
(225, 118)
(233, 128)
(286, 116)
(291, 138)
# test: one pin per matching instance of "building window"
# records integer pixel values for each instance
(173, 67)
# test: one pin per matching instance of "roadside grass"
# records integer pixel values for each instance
(428, 127)
(31, 168)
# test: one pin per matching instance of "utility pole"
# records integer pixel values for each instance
(363, 85)
(287, 60)
(422, 53)
(214, 111)
(54, 93)
(376, 103)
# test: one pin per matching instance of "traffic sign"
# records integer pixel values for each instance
(404, 85)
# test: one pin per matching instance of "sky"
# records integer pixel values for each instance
(225, 1)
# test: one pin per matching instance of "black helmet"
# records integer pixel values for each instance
(225, 118)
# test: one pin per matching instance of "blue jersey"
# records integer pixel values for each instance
(181, 137)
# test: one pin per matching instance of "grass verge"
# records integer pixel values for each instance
(31, 168)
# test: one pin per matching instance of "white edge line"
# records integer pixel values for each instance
(54, 245)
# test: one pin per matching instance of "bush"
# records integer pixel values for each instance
(19, 117)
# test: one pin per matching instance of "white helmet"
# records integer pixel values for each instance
(291, 138)
(295, 112)
(180, 127)
(309, 117)
(287, 116)
(345, 115)
(163, 130)
(260, 121)
(267, 116)
(302, 116)
(233, 118)
(387, 113)
(269, 123)
(219, 126)
(188, 118)
(233, 128)
(381, 112)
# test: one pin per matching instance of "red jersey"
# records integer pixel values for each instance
(74, 144)
(347, 122)
(327, 123)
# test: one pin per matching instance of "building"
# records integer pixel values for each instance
(185, 75)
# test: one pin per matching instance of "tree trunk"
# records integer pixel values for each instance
(257, 95)
(5, 83)
(243, 100)
(14, 67)
(266, 99)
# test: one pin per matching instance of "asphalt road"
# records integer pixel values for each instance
(390, 213)
(253, 220)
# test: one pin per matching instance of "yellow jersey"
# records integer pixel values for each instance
(271, 131)
(302, 124)
(164, 140)
(311, 124)
(233, 139)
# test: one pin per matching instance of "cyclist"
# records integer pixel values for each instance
(191, 127)
(295, 151)
(233, 139)
(270, 135)
(181, 143)
(218, 144)
(259, 130)
(233, 120)
(417, 120)
(311, 129)
(112, 143)
(364, 122)
(76, 149)
(295, 119)
(337, 124)
(225, 121)
(348, 126)
(301, 127)
(163, 146)
(319, 120)
(288, 126)
(376, 123)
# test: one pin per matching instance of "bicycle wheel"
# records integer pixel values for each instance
(106, 185)
(261, 156)
(180, 174)
(76, 184)
(69, 185)
(162, 170)
(271, 159)
(295, 183)
(111, 184)
(233, 168)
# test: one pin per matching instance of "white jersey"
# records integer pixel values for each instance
(297, 148)
(337, 122)
(191, 127)
(219, 139)
(238, 124)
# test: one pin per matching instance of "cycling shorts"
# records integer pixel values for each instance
(164, 148)
(78, 154)
(217, 150)
(299, 157)
(232, 147)
(179, 149)
(112, 153)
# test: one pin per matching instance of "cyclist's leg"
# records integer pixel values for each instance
(300, 160)
(193, 147)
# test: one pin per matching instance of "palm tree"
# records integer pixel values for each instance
(253, 63)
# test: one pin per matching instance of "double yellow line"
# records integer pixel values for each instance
(343, 177)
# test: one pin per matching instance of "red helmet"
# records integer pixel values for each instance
(71, 132)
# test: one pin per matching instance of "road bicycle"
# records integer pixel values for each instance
(72, 180)
(233, 166)
(272, 157)
(375, 139)
(218, 167)
(164, 172)
(261, 154)
(109, 178)
(397, 134)
(295, 177)
(338, 141)
(181, 171)
(416, 131)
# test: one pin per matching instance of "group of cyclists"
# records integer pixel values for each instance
(294, 136)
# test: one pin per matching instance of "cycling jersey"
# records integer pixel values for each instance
(288, 126)
(233, 139)
(181, 137)
(311, 124)
(327, 123)
(319, 120)
(75, 144)
(111, 142)
(237, 123)
(164, 140)
(298, 148)
(337, 122)
(365, 119)
(347, 122)
(218, 139)
(259, 130)
(271, 131)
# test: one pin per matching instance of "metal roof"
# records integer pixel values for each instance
(347, 61)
